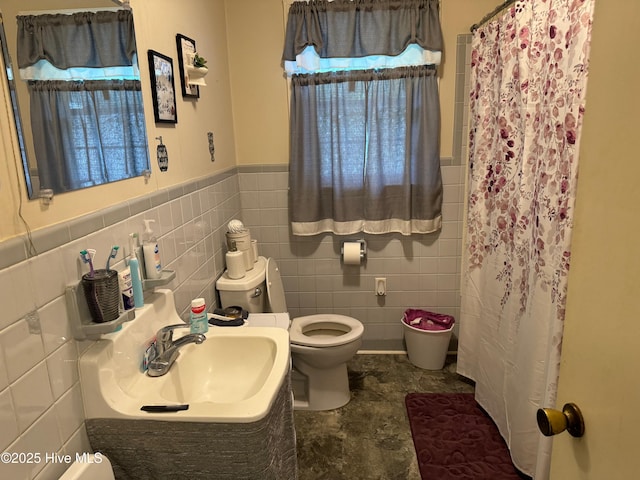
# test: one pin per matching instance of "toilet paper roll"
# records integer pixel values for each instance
(351, 253)
(254, 250)
(247, 256)
(235, 264)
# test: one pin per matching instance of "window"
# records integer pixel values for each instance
(364, 153)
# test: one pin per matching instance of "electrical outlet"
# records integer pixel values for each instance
(381, 286)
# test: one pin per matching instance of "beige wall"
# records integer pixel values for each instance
(244, 104)
(157, 23)
(457, 16)
(260, 91)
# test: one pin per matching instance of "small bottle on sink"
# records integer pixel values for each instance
(198, 318)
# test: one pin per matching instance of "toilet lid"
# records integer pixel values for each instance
(351, 327)
(275, 289)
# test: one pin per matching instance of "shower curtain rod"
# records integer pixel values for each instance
(492, 14)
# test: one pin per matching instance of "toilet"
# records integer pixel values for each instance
(321, 344)
(93, 467)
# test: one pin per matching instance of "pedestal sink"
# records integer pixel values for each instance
(234, 376)
(236, 386)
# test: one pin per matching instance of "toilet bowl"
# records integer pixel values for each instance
(321, 344)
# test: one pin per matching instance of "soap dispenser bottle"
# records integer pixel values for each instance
(151, 252)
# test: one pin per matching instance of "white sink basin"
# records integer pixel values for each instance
(233, 376)
(224, 369)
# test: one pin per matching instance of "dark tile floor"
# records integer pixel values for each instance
(369, 438)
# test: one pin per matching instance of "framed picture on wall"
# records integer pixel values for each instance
(162, 89)
(186, 46)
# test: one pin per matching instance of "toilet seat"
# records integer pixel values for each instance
(320, 330)
(324, 330)
(275, 289)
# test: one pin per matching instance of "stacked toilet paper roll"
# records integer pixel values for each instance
(243, 251)
(239, 238)
(235, 264)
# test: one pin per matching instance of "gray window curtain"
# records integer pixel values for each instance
(359, 28)
(364, 151)
(82, 39)
(379, 172)
(87, 133)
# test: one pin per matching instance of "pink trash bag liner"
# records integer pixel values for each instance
(424, 320)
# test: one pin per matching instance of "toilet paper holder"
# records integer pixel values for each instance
(363, 248)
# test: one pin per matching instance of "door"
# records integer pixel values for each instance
(600, 366)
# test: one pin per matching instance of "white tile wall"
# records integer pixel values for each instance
(422, 271)
(40, 396)
(31, 395)
(41, 407)
(9, 429)
(22, 348)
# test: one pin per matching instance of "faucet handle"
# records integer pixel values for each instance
(170, 328)
(165, 334)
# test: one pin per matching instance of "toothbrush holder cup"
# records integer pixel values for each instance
(103, 295)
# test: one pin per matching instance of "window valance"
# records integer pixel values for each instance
(360, 28)
(81, 39)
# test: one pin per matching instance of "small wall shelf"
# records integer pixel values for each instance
(82, 326)
(195, 75)
(165, 277)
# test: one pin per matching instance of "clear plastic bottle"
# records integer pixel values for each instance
(198, 319)
(151, 252)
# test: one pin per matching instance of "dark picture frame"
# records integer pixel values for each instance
(163, 90)
(185, 46)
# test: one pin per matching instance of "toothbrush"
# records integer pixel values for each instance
(92, 255)
(114, 252)
(87, 257)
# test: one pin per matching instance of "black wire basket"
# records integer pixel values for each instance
(102, 294)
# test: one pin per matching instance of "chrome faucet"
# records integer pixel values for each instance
(167, 350)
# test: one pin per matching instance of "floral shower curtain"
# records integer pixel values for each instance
(528, 85)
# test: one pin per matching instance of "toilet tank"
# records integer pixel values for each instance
(248, 292)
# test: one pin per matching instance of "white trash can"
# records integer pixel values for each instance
(427, 348)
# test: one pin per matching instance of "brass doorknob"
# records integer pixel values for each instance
(551, 421)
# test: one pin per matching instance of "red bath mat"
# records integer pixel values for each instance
(456, 440)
